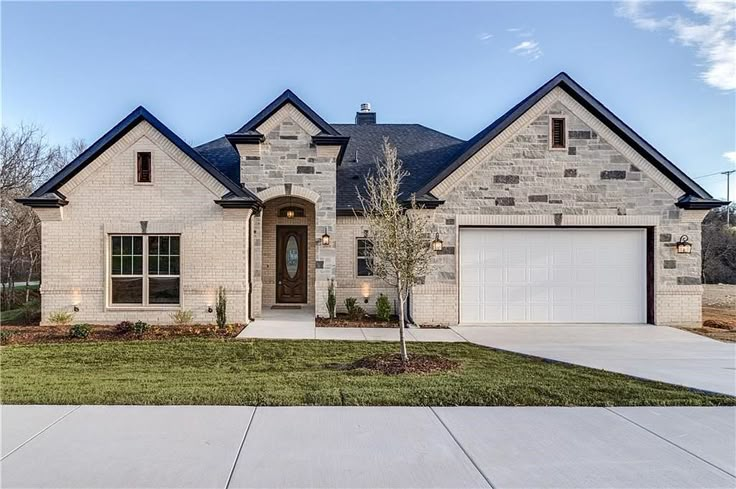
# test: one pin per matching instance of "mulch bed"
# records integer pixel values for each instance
(21, 335)
(390, 364)
(343, 321)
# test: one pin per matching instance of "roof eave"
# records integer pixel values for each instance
(694, 203)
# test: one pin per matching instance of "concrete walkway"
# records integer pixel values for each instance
(299, 324)
(220, 447)
(650, 352)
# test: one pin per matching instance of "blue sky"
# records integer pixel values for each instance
(667, 69)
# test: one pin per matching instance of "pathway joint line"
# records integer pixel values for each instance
(39, 433)
(240, 448)
(457, 442)
(671, 442)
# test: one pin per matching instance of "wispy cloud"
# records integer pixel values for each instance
(485, 36)
(731, 156)
(528, 49)
(709, 27)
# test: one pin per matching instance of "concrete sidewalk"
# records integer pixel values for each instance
(299, 324)
(214, 446)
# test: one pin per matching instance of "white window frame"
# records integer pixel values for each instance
(358, 258)
(564, 132)
(135, 169)
(145, 276)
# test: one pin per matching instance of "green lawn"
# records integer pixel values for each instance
(267, 372)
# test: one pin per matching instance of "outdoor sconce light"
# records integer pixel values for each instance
(325, 239)
(209, 309)
(683, 246)
(437, 243)
(76, 308)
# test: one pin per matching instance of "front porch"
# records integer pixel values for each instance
(298, 324)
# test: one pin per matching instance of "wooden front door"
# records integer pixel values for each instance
(291, 264)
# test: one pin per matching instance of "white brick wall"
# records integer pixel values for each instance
(104, 198)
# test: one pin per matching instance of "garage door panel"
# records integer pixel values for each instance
(552, 275)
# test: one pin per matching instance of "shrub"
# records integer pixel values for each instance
(61, 317)
(5, 336)
(81, 330)
(31, 312)
(139, 328)
(124, 327)
(331, 299)
(354, 310)
(182, 317)
(221, 307)
(383, 308)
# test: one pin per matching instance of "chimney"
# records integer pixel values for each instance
(366, 116)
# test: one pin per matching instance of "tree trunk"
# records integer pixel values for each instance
(402, 340)
(32, 263)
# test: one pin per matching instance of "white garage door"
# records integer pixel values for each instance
(552, 275)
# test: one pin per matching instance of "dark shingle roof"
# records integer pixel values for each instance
(423, 151)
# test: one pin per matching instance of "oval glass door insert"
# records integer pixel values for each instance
(292, 256)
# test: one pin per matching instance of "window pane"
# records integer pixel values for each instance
(163, 245)
(127, 265)
(363, 269)
(152, 245)
(116, 267)
(174, 265)
(127, 245)
(153, 265)
(174, 248)
(117, 248)
(163, 265)
(163, 290)
(137, 245)
(127, 290)
(137, 265)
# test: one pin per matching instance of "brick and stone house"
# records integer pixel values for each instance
(556, 212)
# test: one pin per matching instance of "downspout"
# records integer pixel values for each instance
(250, 270)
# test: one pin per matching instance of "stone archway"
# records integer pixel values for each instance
(320, 258)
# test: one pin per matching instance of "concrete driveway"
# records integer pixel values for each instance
(650, 352)
(352, 447)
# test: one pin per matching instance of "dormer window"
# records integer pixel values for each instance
(143, 167)
(557, 136)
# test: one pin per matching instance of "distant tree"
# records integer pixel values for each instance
(719, 247)
(26, 160)
(400, 252)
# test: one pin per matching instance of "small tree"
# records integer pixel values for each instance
(399, 232)
(331, 299)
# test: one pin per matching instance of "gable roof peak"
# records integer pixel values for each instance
(138, 115)
(286, 97)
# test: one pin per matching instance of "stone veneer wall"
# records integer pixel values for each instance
(524, 178)
(270, 219)
(349, 284)
(104, 198)
(288, 163)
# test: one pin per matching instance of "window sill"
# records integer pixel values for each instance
(144, 184)
(134, 307)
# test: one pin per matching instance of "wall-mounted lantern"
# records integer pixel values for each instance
(209, 309)
(325, 238)
(437, 243)
(683, 246)
(76, 308)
